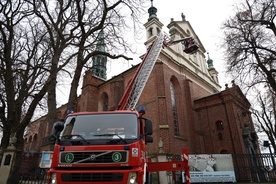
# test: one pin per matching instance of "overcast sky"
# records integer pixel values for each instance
(205, 17)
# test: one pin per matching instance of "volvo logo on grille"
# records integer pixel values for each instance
(92, 157)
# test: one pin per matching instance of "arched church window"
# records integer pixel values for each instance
(35, 143)
(174, 109)
(103, 102)
(158, 31)
(150, 32)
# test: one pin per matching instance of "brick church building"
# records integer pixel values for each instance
(182, 97)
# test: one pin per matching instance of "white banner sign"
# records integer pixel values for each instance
(211, 168)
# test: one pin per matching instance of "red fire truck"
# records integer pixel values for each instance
(110, 146)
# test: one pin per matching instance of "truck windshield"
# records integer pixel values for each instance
(101, 126)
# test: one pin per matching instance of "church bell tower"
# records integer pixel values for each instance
(153, 26)
(99, 61)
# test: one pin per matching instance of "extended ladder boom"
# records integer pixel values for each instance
(138, 82)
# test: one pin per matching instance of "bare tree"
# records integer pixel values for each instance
(57, 17)
(250, 38)
(74, 26)
(103, 17)
(24, 72)
(38, 39)
(265, 116)
(250, 50)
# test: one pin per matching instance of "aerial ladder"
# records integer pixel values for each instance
(139, 80)
(133, 92)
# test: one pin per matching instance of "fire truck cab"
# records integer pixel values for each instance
(101, 147)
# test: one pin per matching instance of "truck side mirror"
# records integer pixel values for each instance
(149, 139)
(148, 127)
(57, 128)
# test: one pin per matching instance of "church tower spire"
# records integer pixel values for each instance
(153, 26)
(152, 12)
(212, 71)
(99, 61)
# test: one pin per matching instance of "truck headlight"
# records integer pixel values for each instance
(53, 179)
(132, 178)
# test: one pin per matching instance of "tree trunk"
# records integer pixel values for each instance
(52, 111)
(72, 101)
(6, 138)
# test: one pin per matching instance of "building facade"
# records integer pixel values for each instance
(182, 97)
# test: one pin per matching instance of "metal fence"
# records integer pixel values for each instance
(30, 172)
(255, 167)
(33, 178)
